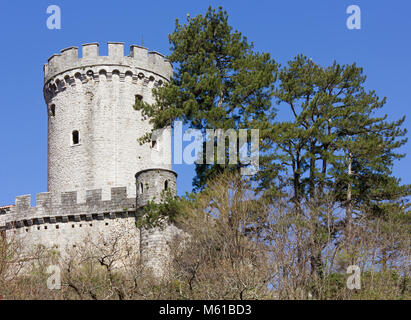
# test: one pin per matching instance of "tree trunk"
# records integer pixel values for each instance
(348, 211)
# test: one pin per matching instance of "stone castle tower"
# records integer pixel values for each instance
(93, 152)
(93, 127)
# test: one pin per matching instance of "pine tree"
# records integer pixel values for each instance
(220, 82)
(333, 127)
(334, 145)
(334, 142)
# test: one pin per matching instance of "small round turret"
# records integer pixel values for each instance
(154, 240)
(152, 183)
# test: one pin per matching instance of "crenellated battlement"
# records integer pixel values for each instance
(139, 58)
(68, 209)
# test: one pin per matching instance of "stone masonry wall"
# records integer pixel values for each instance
(155, 241)
(69, 223)
(151, 183)
(92, 184)
(94, 95)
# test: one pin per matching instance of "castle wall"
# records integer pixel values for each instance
(94, 95)
(71, 235)
(70, 224)
(155, 246)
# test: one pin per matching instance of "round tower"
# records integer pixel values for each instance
(151, 184)
(92, 125)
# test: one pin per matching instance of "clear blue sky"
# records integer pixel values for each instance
(284, 28)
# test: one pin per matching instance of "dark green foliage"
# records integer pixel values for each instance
(334, 144)
(335, 151)
(220, 82)
(155, 212)
(333, 121)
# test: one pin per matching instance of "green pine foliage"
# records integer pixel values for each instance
(333, 124)
(220, 82)
(336, 145)
(155, 212)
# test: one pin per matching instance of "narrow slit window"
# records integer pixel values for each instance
(141, 188)
(76, 137)
(166, 185)
(52, 110)
(154, 143)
